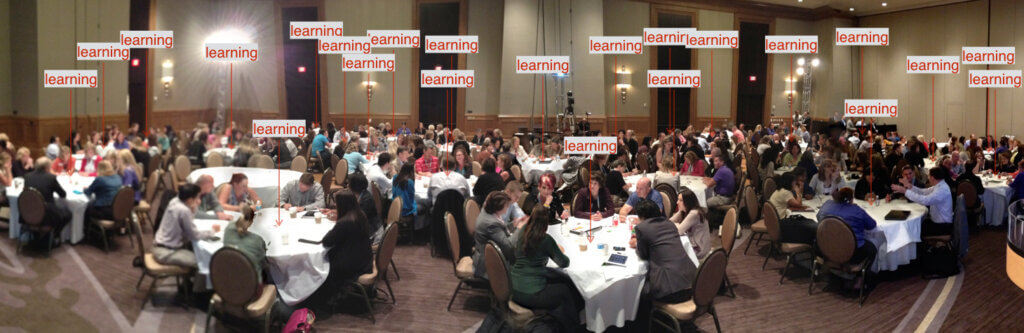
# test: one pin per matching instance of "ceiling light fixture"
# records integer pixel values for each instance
(885, 4)
(851, 9)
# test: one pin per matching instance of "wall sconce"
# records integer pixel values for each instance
(624, 81)
(167, 76)
(369, 88)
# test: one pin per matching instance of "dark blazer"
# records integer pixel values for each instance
(487, 182)
(489, 228)
(350, 253)
(583, 210)
(46, 183)
(670, 269)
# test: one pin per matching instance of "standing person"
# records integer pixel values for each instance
(303, 194)
(724, 183)
(536, 287)
(172, 241)
(593, 201)
(671, 273)
(237, 193)
(105, 187)
(490, 227)
(692, 220)
(937, 197)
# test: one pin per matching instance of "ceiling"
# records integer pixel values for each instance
(863, 7)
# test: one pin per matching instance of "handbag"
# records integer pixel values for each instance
(301, 321)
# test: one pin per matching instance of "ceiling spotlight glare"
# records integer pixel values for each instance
(800, 71)
(801, 62)
(851, 9)
(885, 4)
(815, 62)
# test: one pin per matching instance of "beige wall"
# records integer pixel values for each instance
(5, 57)
(627, 18)
(781, 68)
(1007, 103)
(486, 19)
(927, 32)
(24, 59)
(716, 72)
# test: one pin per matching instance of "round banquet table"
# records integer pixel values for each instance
(611, 294)
(694, 183)
(263, 181)
(532, 167)
(76, 202)
(896, 240)
(228, 153)
(996, 197)
(297, 268)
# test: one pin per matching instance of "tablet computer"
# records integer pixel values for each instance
(897, 215)
(617, 260)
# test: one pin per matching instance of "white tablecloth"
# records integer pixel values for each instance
(896, 240)
(996, 197)
(533, 168)
(76, 202)
(694, 183)
(297, 268)
(611, 293)
(263, 181)
(228, 153)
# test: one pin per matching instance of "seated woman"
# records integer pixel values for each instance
(403, 185)
(842, 206)
(616, 184)
(593, 201)
(792, 155)
(105, 187)
(666, 174)
(504, 167)
(692, 166)
(545, 196)
(1004, 165)
(462, 164)
(350, 253)
(6, 175)
(353, 157)
(533, 285)
(691, 220)
(64, 163)
(874, 185)
(91, 161)
(126, 167)
(794, 228)
(491, 227)
(252, 245)
(828, 179)
(237, 193)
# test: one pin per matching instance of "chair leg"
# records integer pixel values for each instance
(369, 305)
(714, 314)
(103, 234)
(749, 242)
(456, 293)
(149, 293)
(814, 271)
(391, 293)
(789, 259)
(209, 312)
(395, 269)
(770, 252)
(49, 244)
(137, 284)
(728, 285)
(863, 285)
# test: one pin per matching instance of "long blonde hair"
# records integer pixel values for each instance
(105, 169)
(125, 159)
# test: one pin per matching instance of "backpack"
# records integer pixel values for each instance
(301, 321)
(939, 262)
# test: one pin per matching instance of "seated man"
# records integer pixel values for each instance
(939, 220)
(724, 183)
(490, 227)
(671, 273)
(447, 180)
(428, 164)
(171, 244)
(514, 215)
(46, 183)
(488, 182)
(304, 194)
(643, 191)
(209, 207)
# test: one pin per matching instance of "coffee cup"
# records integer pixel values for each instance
(583, 245)
(292, 211)
(318, 217)
(285, 238)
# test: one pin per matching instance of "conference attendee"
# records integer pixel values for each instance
(503, 167)
(237, 193)
(359, 186)
(616, 184)
(1017, 183)
(22, 162)
(90, 162)
(447, 180)
(691, 220)
(173, 240)
(488, 182)
(349, 251)
(546, 197)
(376, 144)
(64, 163)
(937, 197)
(794, 228)
(593, 201)
(670, 273)
(956, 164)
(692, 165)
(53, 149)
(303, 194)
(842, 206)
(46, 183)
(404, 130)
(104, 187)
(462, 163)
(253, 246)
(402, 155)
(353, 157)
(318, 145)
(827, 180)
(429, 163)
(533, 285)
(723, 182)
(404, 186)
(380, 175)
(490, 227)
(873, 184)
(643, 191)
(128, 169)
(1003, 164)
(209, 207)
(969, 177)
(666, 175)
(515, 214)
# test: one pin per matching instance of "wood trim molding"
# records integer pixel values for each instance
(34, 132)
(756, 8)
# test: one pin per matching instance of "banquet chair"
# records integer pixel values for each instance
(123, 202)
(325, 183)
(500, 282)
(299, 164)
(237, 291)
(836, 245)
(157, 271)
(462, 265)
(757, 228)
(32, 209)
(253, 161)
(405, 223)
(672, 196)
(214, 160)
(729, 227)
(705, 287)
(265, 162)
(642, 163)
(769, 188)
(155, 163)
(340, 176)
(380, 212)
(517, 172)
(472, 210)
(142, 209)
(975, 208)
(334, 161)
(381, 258)
(666, 203)
(169, 181)
(184, 167)
(771, 222)
(477, 169)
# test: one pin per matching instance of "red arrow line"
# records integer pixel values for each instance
(279, 182)
(71, 130)
(231, 102)
(103, 97)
